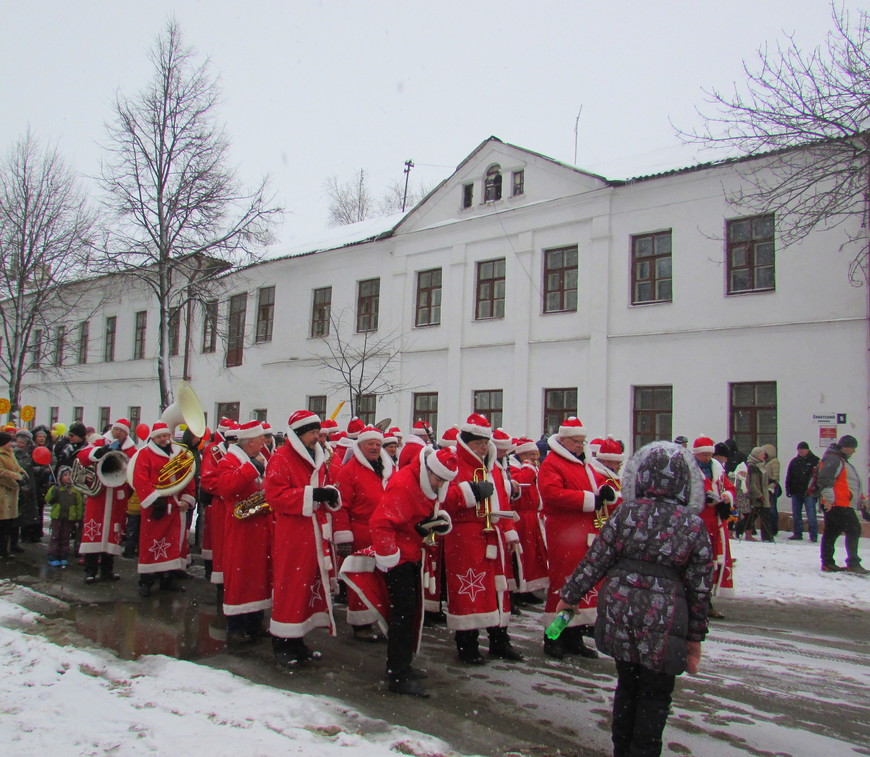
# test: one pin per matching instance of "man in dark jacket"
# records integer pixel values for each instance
(797, 479)
(840, 494)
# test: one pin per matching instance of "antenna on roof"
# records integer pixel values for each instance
(577, 132)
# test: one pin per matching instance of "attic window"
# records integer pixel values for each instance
(467, 195)
(518, 182)
(492, 184)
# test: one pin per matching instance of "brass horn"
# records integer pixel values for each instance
(186, 409)
(112, 469)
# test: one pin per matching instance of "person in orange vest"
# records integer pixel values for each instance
(840, 495)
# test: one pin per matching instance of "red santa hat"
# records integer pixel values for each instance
(225, 424)
(354, 427)
(302, 418)
(267, 429)
(337, 437)
(594, 446)
(610, 450)
(159, 428)
(370, 433)
(249, 430)
(231, 428)
(392, 436)
(523, 444)
(703, 444)
(478, 425)
(122, 424)
(419, 429)
(329, 425)
(448, 438)
(502, 440)
(572, 427)
(443, 463)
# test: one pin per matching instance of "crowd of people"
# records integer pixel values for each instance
(463, 529)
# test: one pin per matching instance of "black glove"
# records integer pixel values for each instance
(482, 490)
(100, 451)
(159, 508)
(325, 494)
(710, 498)
(344, 550)
(723, 510)
(436, 523)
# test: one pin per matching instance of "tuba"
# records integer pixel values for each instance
(112, 469)
(176, 474)
(84, 479)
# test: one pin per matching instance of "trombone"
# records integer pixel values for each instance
(604, 513)
(483, 509)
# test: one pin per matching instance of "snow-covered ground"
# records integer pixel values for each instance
(77, 700)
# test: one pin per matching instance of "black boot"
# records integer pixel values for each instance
(4, 539)
(14, 546)
(466, 645)
(107, 568)
(553, 648)
(500, 645)
(572, 643)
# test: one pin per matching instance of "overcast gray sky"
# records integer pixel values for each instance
(313, 89)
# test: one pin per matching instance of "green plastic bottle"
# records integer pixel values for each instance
(559, 624)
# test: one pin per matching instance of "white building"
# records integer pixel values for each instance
(528, 290)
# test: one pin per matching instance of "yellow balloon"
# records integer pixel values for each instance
(5, 405)
(182, 427)
(28, 412)
(60, 429)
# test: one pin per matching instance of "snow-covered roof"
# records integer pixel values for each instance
(334, 238)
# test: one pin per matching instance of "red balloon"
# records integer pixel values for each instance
(142, 431)
(42, 456)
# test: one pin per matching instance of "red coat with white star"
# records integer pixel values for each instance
(247, 564)
(163, 542)
(215, 513)
(474, 559)
(568, 489)
(532, 572)
(106, 511)
(722, 488)
(301, 552)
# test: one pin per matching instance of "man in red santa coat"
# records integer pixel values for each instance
(342, 449)
(719, 500)
(163, 545)
(392, 439)
(301, 552)
(407, 512)
(247, 536)
(105, 511)
(475, 550)
(571, 498)
(418, 438)
(216, 509)
(361, 482)
(530, 560)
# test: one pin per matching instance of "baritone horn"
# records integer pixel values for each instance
(186, 409)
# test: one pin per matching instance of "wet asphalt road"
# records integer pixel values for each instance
(774, 677)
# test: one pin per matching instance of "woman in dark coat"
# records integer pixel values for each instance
(657, 563)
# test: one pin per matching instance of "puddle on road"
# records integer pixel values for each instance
(184, 626)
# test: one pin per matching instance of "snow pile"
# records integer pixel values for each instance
(789, 572)
(64, 701)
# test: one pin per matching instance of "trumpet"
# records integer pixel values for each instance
(252, 505)
(604, 513)
(483, 509)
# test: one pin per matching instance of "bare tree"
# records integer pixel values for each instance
(350, 202)
(182, 217)
(810, 113)
(360, 364)
(46, 239)
(393, 199)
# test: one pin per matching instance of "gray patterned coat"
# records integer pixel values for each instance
(655, 556)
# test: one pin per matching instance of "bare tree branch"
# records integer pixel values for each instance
(808, 115)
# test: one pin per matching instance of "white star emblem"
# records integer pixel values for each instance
(472, 584)
(160, 549)
(93, 529)
(316, 596)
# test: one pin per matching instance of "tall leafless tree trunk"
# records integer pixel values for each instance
(182, 217)
(46, 240)
(349, 203)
